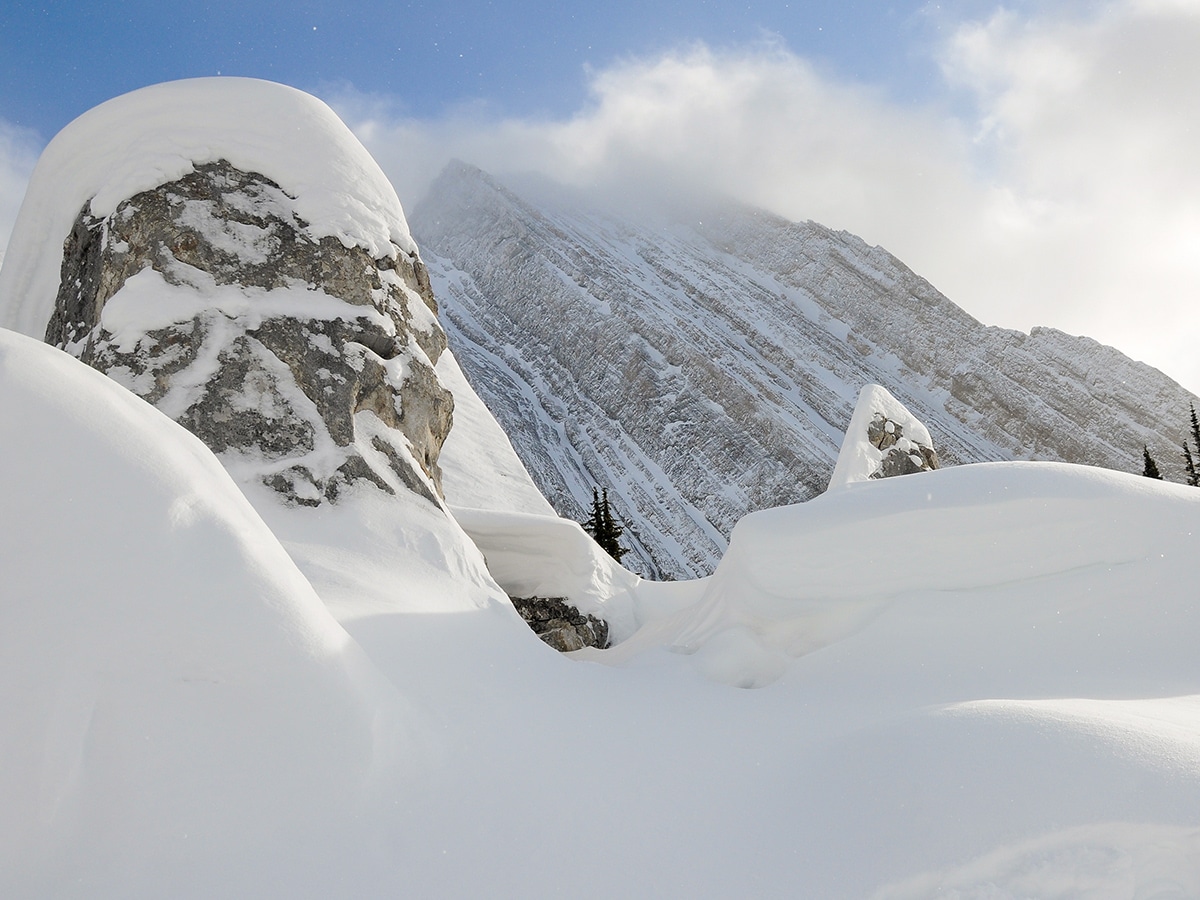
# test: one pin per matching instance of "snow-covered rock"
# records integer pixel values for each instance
(286, 347)
(226, 249)
(883, 439)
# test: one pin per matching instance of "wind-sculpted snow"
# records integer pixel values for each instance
(174, 697)
(707, 366)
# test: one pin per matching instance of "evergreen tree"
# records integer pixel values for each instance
(603, 527)
(594, 523)
(1150, 469)
(1189, 466)
(612, 532)
(1195, 427)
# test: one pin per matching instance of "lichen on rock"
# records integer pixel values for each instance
(311, 360)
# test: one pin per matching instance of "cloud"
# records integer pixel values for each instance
(19, 149)
(1065, 195)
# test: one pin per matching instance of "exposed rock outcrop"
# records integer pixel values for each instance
(561, 625)
(901, 456)
(882, 440)
(209, 297)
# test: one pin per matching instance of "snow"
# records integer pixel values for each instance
(172, 690)
(545, 556)
(858, 458)
(148, 302)
(158, 134)
(978, 681)
(477, 444)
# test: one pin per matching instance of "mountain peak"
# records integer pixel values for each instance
(705, 365)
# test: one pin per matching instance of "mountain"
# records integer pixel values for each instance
(704, 363)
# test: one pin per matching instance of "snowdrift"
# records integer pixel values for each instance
(977, 679)
(797, 578)
(177, 703)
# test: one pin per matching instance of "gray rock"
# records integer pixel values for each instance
(280, 385)
(904, 456)
(560, 624)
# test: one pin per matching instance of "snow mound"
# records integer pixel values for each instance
(547, 556)
(860, 459)
(158, 134)
(173, 692)
(799, 578)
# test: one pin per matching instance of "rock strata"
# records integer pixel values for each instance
(208, 297)
(561, 625)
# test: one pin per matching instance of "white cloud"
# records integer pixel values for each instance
(1068, 197)
(1094, 129)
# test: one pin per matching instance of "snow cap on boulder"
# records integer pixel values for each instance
(157, 134)
(883, 439)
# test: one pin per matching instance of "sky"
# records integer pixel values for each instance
(1035, 161)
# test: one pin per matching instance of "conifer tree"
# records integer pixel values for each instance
(1195, 426)
(594, 523)
(612, 532)
(603, 527)
(1150, 468)
(1189, 466)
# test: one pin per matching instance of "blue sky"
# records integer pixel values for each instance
(521, 58)
(1035, 161)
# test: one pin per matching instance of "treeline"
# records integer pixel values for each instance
(1190, 454)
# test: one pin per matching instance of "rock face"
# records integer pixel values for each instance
(561, 625)
(705, 365)
(309, 359)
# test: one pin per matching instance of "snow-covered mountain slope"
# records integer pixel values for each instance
(706, 365)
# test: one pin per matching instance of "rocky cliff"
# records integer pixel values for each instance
(705, 364)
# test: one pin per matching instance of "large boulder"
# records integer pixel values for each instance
(246, 269)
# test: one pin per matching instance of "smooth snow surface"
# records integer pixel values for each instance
(158, 134)
(177, 705)
(979, 682)
(859, 458)
(480, 468)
